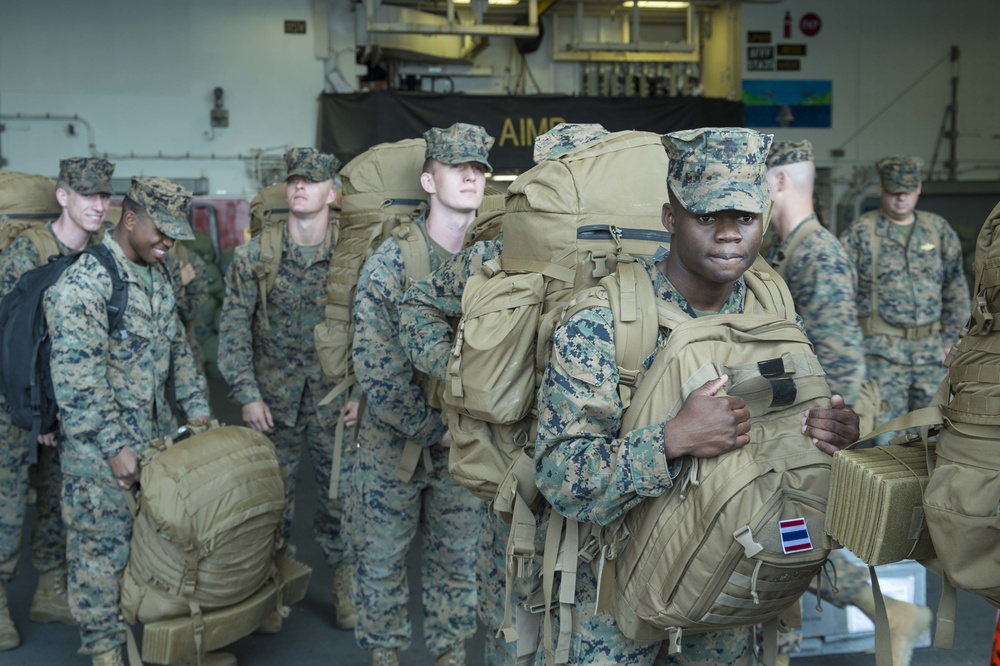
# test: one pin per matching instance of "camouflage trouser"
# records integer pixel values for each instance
(99, 528)
(48, 533)
(903, 387)
(320, 442)
(390, 512)
(596, 638)
(851, 580)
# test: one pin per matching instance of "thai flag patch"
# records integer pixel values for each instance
(794, 536)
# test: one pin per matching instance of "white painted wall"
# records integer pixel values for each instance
(141, 73)
(873, 50)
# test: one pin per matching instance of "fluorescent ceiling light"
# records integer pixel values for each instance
(503, 176)
(655, 4)
(492, 2)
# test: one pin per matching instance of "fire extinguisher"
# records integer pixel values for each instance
(788, 25)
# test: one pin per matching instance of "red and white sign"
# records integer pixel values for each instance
(810, 24)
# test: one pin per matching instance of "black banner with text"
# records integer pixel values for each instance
(351, 123)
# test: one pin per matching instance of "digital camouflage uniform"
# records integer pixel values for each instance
(190, 297)
(579, 416)
(391, 510)
(111, 394)
(919, 283)
(428, 313)
(397, 411)
(279, 365)
(822, 282)
(86, 176)
(588, 470)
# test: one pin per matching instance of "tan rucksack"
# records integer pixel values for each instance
(962, 500)
(27, 202)
(568, 222)
(740, 536)
(208, 526)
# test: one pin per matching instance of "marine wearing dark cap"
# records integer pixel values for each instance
(900, 174)
(168, 203)
(87, 175)
(789, 152)
(459, 144)
(718, 168)
(311, 163)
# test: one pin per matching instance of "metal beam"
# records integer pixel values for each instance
(452, 25)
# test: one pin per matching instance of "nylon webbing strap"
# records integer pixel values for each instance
(549, 269)
(549, 557)
(413, 453)
(883, 638)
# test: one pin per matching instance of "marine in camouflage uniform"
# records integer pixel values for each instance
(428, 313)
(913, 298)
(399, 414)
(190, 295)
(822, 282)
(110, 387)
(590, 471)
(84, 188)
(271, 364)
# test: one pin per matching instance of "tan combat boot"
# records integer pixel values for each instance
(9, 638)
(453, 657)
(343, 596)
(112, 657)
(384, 657)
(51, 602)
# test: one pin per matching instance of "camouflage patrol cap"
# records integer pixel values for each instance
(718, 168)
(311, 163)
(87, 175)
(167, 203)
(900, 174)
(563, 138)
(789, 152)
(459, 144)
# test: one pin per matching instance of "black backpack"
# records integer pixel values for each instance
(25, 345)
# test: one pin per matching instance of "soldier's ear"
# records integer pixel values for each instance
(128, 220)
(427, 182)
(62, 196)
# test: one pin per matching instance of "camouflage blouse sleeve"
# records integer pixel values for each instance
(955, 300)
(77, 315)
(192, 296)
(430, 306)
(380, 363)
(15, 261)
(191, 390)
(585, 469)
(236, 328)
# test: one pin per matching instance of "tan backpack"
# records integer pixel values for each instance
(740, 536)
(568, 222)
(207, 529)
(27, 202)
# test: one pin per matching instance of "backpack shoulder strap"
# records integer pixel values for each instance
(415, 250)
(119, 288)
(268, 263)
(767, 292)
(801, 233)
(44, 241)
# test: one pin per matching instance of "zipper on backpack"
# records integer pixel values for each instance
(611, 232)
